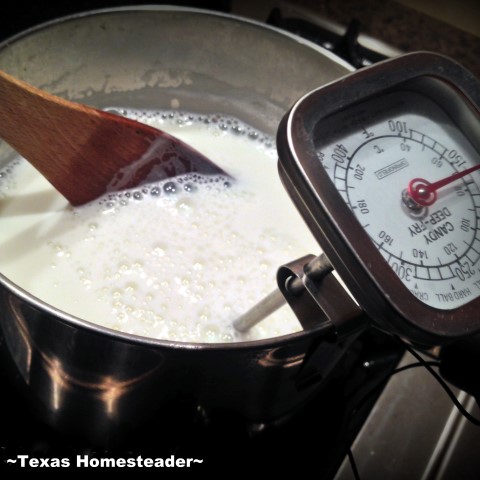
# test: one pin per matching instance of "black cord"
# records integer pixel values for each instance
(442, 383)
(428, 364)
(381, 384)
(432, 363)
(353, 464)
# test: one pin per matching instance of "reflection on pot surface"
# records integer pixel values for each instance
(96, 381)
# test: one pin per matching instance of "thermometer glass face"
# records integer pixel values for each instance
(408, 174)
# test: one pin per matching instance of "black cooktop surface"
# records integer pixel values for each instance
(316, 437)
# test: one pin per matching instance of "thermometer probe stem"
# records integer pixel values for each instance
(318, 268)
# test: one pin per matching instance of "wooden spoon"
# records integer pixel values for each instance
(85, 152)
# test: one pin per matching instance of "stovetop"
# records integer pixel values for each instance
(316, 437)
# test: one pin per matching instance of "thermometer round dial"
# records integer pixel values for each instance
(385, 167)
(431, 241)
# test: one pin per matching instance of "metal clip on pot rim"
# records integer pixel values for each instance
(314, 294)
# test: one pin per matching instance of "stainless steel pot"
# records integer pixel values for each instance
(96, 382)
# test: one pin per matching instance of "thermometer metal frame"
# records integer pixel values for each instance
(373, 283)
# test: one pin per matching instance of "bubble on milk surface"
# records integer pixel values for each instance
(181, 253)
(180, 118)
(8, 177)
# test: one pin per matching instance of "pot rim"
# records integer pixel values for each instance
(128, 337)
(171, 8)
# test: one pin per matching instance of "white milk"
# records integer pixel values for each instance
(177, 261)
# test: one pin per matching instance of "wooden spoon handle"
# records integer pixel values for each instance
(25, 111)
(85, 152)
(55, 136)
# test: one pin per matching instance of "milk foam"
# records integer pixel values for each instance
(178, 259)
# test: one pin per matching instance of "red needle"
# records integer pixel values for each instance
(425, 193)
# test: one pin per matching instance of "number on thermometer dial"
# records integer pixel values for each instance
(433, 248)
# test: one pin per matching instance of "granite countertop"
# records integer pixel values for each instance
(402, 27)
